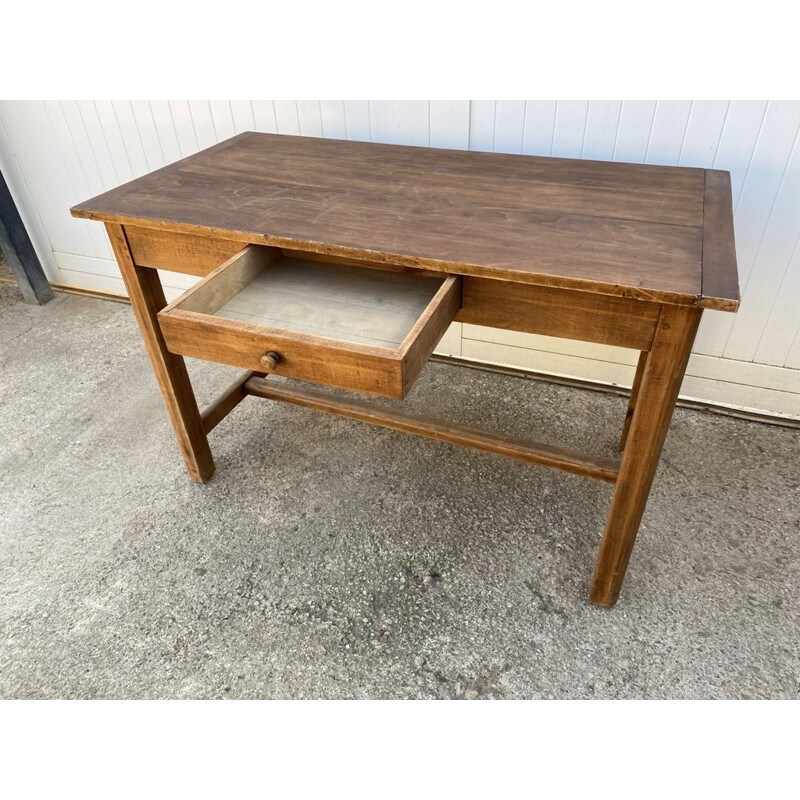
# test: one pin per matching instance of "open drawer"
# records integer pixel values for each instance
(360, 328)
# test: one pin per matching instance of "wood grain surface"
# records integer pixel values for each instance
(604, 469)
(178, 252)
(548, 311)
(622, 229)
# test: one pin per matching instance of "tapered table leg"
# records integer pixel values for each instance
(637, 382)
(660, 383)
(147, 298)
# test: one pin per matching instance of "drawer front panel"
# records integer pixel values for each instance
(243, 345)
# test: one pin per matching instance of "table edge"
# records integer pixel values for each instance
(399, 259)
(720, 275)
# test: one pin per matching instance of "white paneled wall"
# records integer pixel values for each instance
(56, 153)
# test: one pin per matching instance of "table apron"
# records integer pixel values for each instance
(566, 313)
(523, 307)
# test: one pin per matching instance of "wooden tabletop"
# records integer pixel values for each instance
(635, 230)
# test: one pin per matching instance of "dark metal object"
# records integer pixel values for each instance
(18, 250)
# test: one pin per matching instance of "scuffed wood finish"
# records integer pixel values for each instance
(532, 452)
(720, 274)
(558, 312)
(658, 391)
(628, 230)
(178, 252)
(147, 299)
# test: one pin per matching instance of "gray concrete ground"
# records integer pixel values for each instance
(329, 559)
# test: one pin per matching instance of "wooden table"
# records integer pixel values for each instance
(306, 246)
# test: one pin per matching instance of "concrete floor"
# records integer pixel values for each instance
(329, 559)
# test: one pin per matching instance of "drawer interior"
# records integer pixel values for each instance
(336, 323)
(337, 301)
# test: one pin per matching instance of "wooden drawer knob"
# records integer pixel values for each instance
(270, 361)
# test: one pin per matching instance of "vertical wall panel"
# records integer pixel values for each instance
(738, 139)
(449, 124)
(382, 120)
(203, 123)
(633, 136)
(184, 127)
(570, 127)
(754, 206)
(765, 174)
(309, 118)
(400, 122)
(509, 126)
(87, 241)
(481, 124)
(703, 132)
(165, 130)
(113, 169)
(286, 117)
(264, 116)
(775, 250)
(357, 121)
(24, 191)
(123, 111)
(602, 123)
(23, 199)
(540, 123)
(334, 125)
(27, 125)
(668, 131)
(146, 125)
(734, 153)
(80, 142)
(222, 117)
(781, 328)
(793, 361)
(242, 116)
(111, 135)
